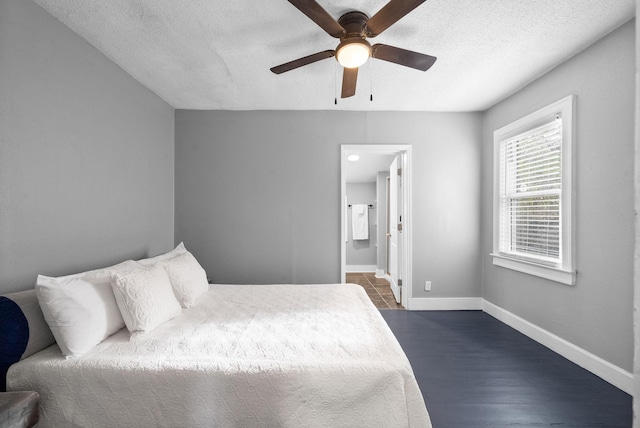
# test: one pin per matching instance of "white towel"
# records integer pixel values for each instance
(360, 221)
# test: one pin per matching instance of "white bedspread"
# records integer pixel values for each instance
(243, 356)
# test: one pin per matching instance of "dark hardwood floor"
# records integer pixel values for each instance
(475, 371)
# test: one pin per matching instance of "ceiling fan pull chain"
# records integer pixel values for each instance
(335, 83)
(371, 81)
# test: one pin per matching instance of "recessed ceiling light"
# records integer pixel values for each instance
(353, 158)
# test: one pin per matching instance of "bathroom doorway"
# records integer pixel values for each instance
(386, 249)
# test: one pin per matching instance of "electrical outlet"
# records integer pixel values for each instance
(427, 286)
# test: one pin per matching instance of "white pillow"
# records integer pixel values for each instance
(81, 309)
(145, 297)
(180, 249)
(188, 279)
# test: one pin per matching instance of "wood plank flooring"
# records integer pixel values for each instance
(475, 371)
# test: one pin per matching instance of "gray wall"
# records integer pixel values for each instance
(362, 252)
(258, 193)
(596, 313)
(86, 154)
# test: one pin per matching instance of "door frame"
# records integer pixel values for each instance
(406, 268)
(395, 229)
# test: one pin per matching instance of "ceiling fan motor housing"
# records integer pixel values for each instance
(354, 24)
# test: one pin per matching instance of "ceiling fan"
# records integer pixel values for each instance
(353, 29)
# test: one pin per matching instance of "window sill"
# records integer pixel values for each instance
(546, 272)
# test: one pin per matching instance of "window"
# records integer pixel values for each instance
(533, 194)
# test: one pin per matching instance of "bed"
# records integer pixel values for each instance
(239, 356)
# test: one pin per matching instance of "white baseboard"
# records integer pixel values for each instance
(380, 273)
(361, 268)
(611, 373)
(445, 304)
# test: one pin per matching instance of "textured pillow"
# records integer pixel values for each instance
(180, 249)
(145, 297)
(188, 279)
(81, 309)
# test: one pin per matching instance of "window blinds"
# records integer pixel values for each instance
(530, 188)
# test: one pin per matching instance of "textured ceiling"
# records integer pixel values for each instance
(213, 54)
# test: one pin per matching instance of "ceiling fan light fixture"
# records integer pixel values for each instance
(353, 53)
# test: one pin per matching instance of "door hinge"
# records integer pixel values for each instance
(399, 283)
(400, 171)
(399, 227)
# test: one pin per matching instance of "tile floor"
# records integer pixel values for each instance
(377, 289)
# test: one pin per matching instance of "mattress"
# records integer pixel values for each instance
(242, 356)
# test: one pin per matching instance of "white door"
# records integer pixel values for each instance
(394, 231)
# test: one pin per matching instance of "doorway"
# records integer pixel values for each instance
(402, 259)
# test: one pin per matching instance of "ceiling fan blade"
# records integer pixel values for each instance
(403, 57)
(291, 65)
(389, 15)
(320, 16)
(349, 79)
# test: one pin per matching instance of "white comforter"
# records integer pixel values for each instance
(243, 356)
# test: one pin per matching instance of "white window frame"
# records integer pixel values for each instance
(562, 272)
